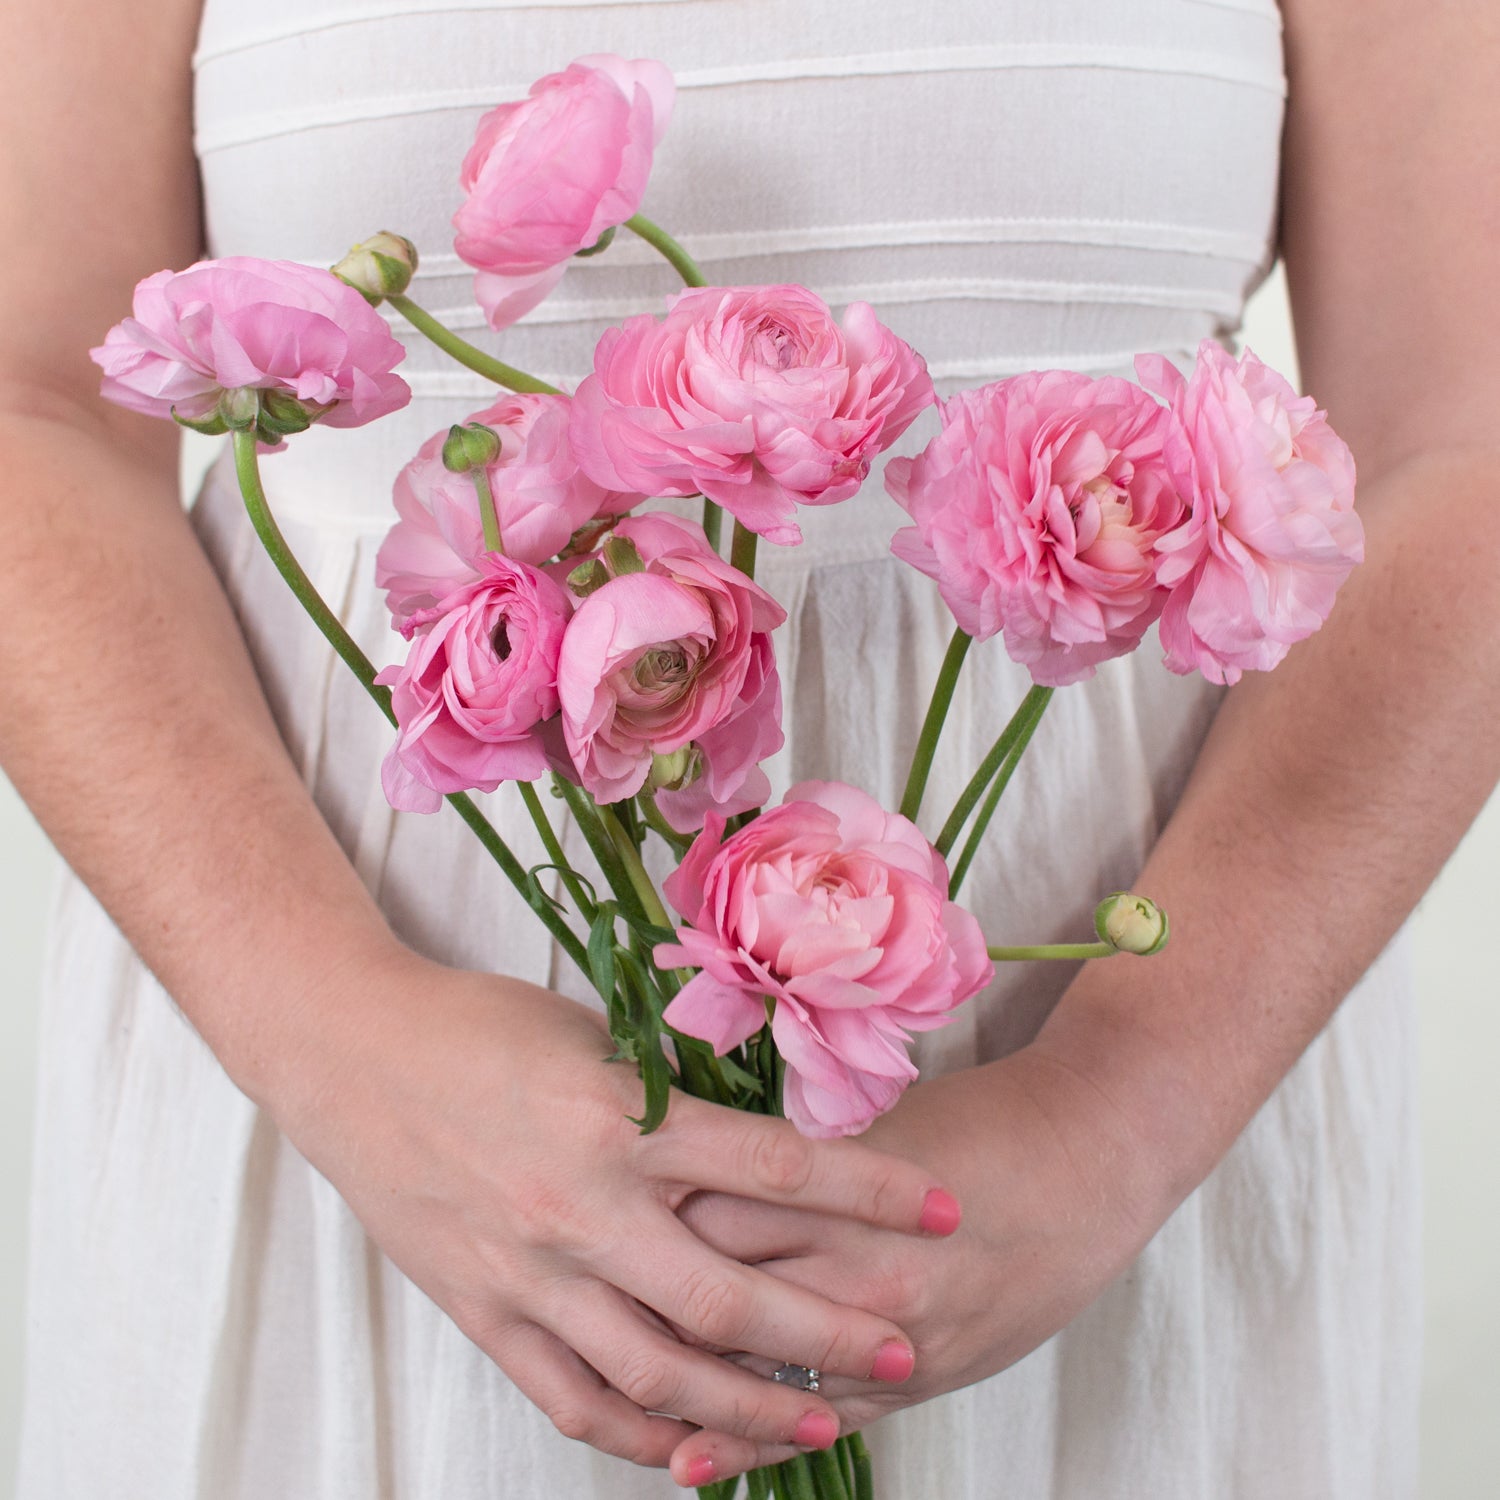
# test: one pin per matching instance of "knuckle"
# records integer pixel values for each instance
(715, 1306)
(575, 1422)
(647, 1379)
(781, 1161)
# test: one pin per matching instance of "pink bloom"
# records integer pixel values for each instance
(752, 395)
(675, 658)
(547, 176)
(839, 912)
(269, 325)
(541, 499)
(1037, 509)
(477, 686)
(1272, 531)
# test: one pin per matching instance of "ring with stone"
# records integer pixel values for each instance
(799, 1377)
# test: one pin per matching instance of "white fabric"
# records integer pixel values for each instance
(1013, 184)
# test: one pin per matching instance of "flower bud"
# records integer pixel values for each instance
(379, 267)
(1131, 924)
(672, 772)
(472, 447)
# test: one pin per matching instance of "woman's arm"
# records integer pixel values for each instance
(1327, 795)
(469, 1120)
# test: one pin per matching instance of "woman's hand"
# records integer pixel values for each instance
(1057, 1198)
(476, 1128)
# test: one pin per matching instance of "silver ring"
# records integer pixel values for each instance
(799, 1377)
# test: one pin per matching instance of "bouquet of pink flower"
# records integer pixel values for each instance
(558, 629)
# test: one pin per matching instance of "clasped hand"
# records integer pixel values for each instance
(474, 1126)
(1057, 1195)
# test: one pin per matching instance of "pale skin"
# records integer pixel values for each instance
(1337, 785)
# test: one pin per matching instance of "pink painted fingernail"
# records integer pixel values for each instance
(816, 1430)
(700, 1472)
(894, 1361)
(940, 1212)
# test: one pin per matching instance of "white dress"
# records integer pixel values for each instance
(1012, 184)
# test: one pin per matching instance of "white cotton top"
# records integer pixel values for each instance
(1013, 184)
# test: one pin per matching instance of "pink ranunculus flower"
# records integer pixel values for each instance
(547, 176)
(677, 657)
(1037, 510)
(754, 396)
(838, 911)
(477, 688)
(267, 325)
(1272, 532)
(541, 499)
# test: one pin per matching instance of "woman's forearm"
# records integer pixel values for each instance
(1325, 800)
(136, 730)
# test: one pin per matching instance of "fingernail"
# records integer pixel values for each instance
(700, 1472)
(940, 1212)
(893, 1361)
(816, 1430)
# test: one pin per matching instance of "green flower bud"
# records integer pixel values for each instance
(621, 557)
(1131, 924)
(379, 267)
(473, 447)
(674, 771)
(587, 577)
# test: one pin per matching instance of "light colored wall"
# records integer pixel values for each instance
(1460, 1041)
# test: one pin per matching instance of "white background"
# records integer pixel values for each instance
(1461, 1103)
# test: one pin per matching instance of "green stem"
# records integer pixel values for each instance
(989, 766)
(630, 857)
(713, 523)
(932, 725)
(1053, 950)
(247, 470)
(799, 1479)
(575, 887)
(586, 814)
(489, 517)
(656, 820)
(466, 354)
(996, 791)
(828, 1475)
(864, 1476)
(659, 240)
(758, 1485)
(742, 549)
(846, 1464)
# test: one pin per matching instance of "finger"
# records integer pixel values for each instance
(731, 1306)
(707, 1457)
(580, 1404)
(658, 1374)
(707, 1146)
(750, 1231)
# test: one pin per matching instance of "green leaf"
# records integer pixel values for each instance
(736, 1077)
(602, 948)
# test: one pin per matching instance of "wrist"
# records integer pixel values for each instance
(1176, 1111)
(281, 1028)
